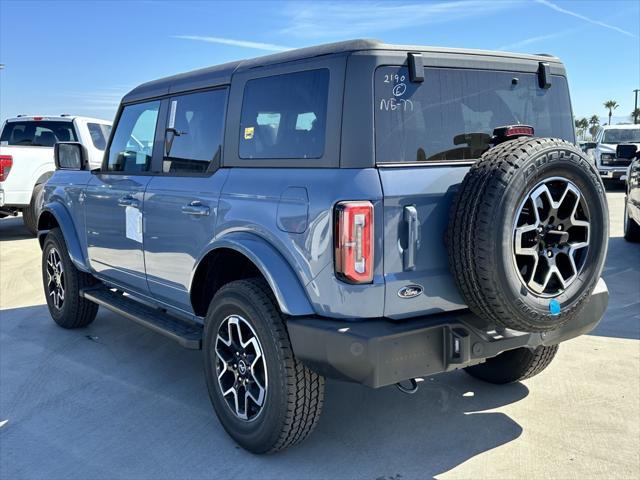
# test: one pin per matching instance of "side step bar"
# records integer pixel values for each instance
(186, 333)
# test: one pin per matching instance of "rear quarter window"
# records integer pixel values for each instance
(284, 116)
(451, 115)
(37, 133)
(99, 134)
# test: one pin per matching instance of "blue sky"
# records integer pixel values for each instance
(80, 57)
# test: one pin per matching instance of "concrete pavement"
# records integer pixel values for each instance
(117, 401)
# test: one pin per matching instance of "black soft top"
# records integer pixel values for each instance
(221, 74)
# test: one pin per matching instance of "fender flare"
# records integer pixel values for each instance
(285, 284)
(44, 177)
(69, 233)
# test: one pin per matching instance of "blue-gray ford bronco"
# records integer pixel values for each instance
(359, 211)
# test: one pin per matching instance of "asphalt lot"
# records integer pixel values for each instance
(117, 401)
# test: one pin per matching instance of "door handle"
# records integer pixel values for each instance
(128, 201)
(196, 208)
(410, 217)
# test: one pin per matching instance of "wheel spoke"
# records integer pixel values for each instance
(55, 279)
(562, 236)
(242, 374)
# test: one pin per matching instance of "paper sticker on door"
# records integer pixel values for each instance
(134, 224)
(248, 133)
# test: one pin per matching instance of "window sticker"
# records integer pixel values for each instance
(248, 133)
(172, 113)
(134, 224)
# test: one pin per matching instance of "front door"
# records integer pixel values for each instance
(115, 199)
(181, 201)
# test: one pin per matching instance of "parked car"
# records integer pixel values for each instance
(632, 193)
(603, 150)
(361, 211)
(26, 157)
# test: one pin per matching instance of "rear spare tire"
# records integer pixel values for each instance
(527, 237)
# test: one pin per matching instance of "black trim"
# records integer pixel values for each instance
(381, 352)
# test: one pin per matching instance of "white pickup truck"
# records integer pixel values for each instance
(26, 157)
(603, 150)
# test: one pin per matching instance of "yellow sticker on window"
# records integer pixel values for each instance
(248, 133)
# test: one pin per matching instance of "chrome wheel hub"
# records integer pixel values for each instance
(241, 368)
(551, 236)
(55, 279)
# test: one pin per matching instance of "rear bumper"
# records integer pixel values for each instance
(11, 198)
(377, 353)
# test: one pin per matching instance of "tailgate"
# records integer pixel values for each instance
(416, 213)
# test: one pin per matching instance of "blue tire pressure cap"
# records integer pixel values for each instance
(554, 307)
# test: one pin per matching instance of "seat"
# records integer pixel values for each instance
(45, 139)
(18, 137)
(63, 134)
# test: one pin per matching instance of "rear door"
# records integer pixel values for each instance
(427, 136)
(115, 198)
(181, 202)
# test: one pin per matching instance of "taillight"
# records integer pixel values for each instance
(6, 162)
(354, 241)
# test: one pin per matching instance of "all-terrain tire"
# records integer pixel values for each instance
(294, 394)
(74, 311)
(631, 227)
(31, 213)
(480, 235)
(514, 365)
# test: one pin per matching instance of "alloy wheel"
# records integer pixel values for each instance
(551, 236)
(55, 278)
(241, 368)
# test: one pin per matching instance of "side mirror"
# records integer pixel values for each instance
(590, 145)
(70, 156)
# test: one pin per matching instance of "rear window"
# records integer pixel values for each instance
(451, 115)
(284, 116)
(99, 134)
(37, 133)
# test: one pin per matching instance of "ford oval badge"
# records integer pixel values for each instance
(410, 291)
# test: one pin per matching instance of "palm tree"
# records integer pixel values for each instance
(635, 115)
(577, 122)
(584, 124)
(581, 124)
(594, 121)
(611, 105)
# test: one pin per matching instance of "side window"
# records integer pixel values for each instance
(132, 144)
(284, 116)
(99, 134)
(193, 139)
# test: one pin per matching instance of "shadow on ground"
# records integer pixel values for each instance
(12, 228)
(117, 401)
(614, 186)
(622, 274)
